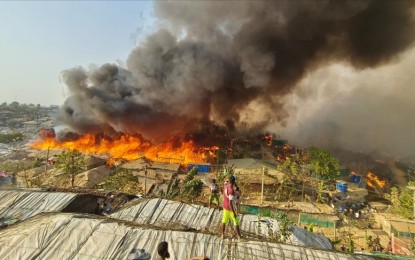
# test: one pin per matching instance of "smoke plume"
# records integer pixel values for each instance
(236, 64)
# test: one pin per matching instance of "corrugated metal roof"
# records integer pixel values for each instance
(75, 236)
(27, 203)
(168, 214)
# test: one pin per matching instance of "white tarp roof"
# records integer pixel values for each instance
(75, 236)
(28, 203)
(173, 214)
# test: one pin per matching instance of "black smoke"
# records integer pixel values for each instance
(232, 63)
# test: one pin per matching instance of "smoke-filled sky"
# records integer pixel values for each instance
(332, 73)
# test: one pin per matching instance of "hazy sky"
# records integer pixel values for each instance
(40, 39)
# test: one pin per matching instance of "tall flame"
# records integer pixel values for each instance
(374, 181)
(130, 147)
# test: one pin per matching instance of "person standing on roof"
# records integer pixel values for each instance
(228, 207)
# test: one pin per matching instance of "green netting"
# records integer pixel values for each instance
(265, 212)
(320, 221)
(401, 234)
(317, 220)
(248, 209)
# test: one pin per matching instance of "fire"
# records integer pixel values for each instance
(374, 181)
(130, 147)
(286, 147)
(268, 139)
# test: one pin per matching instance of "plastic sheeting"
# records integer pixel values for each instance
(173, 214)
(28, 203)
(76, 236)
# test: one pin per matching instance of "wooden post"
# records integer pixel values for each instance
(262, 186)
(335, 230)
(47, 158)
(145, 180)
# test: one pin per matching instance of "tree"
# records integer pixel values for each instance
(291, 180)
(323, 164)
(15, 104)
(402, 201)
(191, 188)
(172, 190)
(71, 163)
(284, 225)
(121, 180)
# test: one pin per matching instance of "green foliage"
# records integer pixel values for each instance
(324, 165)
(289, 166)
(122, 180)
(284, 223)
(71, 163)
(11, 137)
(402, 201)
(191, 174)
(172, 190)
(320, 189)
(192, 189)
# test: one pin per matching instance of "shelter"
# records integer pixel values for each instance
(89, 179)
(250, 170)
(173, 214)
(79, 236)
(28, 203)
(93, 162)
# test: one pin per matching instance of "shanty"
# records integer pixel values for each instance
(207, 130)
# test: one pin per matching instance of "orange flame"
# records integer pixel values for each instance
(130, 147)
(374, 181)
(268, 139)
(286, 147)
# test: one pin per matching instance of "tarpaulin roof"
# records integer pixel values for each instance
(28, 203)
(169, 214)
(76, 236)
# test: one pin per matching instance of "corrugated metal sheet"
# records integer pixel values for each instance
(75, 236)
(27, 203)
(169, 214)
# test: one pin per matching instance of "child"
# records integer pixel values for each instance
(214, 194)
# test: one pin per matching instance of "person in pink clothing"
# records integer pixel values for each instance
(228, 207)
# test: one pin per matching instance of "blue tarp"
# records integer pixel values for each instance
(201, 168)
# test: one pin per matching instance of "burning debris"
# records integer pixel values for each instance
(375, 182)
(227, 64)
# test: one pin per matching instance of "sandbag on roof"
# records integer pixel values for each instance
(76, 236)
